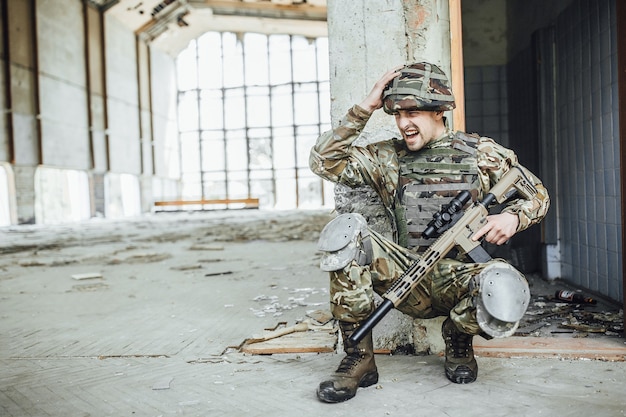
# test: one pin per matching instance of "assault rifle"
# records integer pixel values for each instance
(455, 227)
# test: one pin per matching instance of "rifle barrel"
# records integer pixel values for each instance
(385, 307)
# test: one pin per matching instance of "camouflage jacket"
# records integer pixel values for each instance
(334, 158)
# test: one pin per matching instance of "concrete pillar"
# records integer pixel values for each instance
(96, 91)
(25, 193)
(22, 97)
(145, 125)
(366, 38)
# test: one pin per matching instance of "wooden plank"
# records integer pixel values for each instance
(250, 202)
(456, 64)
(300, 342)
(551, 347)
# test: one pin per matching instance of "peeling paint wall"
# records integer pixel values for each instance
(484, 32)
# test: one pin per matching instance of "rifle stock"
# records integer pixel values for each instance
(458, 234)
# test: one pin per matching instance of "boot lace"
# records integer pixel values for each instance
(348, 363)
(459, 344)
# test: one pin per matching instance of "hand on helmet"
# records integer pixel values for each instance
(498, 229)
(374, 99)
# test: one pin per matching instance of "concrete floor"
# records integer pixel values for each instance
(149, 337)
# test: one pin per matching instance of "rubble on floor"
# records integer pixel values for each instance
(549, 316)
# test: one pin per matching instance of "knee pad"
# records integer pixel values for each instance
(344, 239)
(502, 299)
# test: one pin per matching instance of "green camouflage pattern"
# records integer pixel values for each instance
(335, 159)
(429, 179)
(445, 291)
(420, 86)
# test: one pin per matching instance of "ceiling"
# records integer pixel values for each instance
(170, 24)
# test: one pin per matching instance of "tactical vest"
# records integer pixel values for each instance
(429, 179)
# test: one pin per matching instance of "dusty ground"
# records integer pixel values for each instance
(135, 318)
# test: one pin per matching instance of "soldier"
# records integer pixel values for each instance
(415, 176)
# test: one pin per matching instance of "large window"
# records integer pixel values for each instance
(250, 108)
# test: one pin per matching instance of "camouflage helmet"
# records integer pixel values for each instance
(420, 86)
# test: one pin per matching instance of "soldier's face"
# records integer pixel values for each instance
(419, 127)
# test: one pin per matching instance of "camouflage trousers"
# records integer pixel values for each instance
(445, 291)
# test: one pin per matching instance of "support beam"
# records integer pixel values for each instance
(246, 202)
(88, 80)
(621, 82)
(34, 44)
(103, 81)
(263, 9)
(6, 47)
(456, 64)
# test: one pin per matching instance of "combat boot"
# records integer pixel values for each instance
(460, 365)
(357, 368)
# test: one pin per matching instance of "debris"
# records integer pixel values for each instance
(303, 337)
(573, 297)
(549, 315)
(155, 355)
(320, 316)
(163, 384)
(198, 246)
(90, 287)
(30, 263)
(87, 275)
(216, 274)
(276, 308)
(300, 327)
(583, 328)
(279, 324)
(55, 262)
(142, 258)
(186, 267)
(530, 328)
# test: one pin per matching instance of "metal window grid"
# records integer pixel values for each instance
(212, 148)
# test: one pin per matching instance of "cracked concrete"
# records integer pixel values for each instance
(146, 334)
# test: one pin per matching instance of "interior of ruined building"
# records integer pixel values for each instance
(119, 108)
(159, 135)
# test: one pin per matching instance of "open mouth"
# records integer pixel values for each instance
(411, 133)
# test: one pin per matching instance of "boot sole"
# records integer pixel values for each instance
(368, 379)
(461, 375)
(328, 394)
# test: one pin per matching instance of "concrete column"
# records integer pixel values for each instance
(22, 88)
(366, 38)
(96, 86)
(25, 193)
(145, 125)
